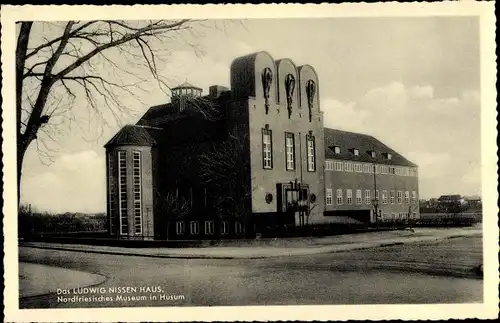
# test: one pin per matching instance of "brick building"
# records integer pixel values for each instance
(248, 160)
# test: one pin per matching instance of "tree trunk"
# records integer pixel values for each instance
(22, 146)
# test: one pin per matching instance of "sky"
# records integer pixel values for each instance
(414, 83)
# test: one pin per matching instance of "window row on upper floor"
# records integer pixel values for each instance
(344, 166)
(366, 197)
(267, 150)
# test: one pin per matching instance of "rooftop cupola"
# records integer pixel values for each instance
(184, 92)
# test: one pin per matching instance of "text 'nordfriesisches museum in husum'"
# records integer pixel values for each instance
(251, 160)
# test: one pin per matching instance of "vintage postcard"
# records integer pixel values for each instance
(249, 162)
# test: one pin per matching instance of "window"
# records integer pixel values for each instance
(400, 197)
(348, 167)
(383, 169)
(290, 150)
(337, 149)
(339, 197)
(349, 196)
(392, 197)
(368, 198)
(194, 227)
(389, 156)
(411, 172)
(111, 194)
(329, 196)
(239, 228)
(338, 166)
(377, 197)
(373, 154)
(391, 170)
(267, 148)
(209, 227)
(329, 165)
(367, 168)
(407, 197)
(398, 171)
(414, 197)
(377, 169)
(355, 152)
(311, 154)
(384, 196)
(180, 227)
(224, 227)
(359, 198)
(122, 191)
(137, 191)
(358, 168)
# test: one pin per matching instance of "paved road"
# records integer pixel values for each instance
(401, 274)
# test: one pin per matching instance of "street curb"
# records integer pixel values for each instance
(368, 246)
(102, 280)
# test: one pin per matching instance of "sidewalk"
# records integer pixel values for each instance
(280, 247)
(36, 280)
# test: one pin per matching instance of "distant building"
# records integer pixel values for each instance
(251, 159)
(450, 198)
(473, 201)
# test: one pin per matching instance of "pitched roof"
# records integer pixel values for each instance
(347, 141)
(159, 115)
(186, 85)
(135, 135)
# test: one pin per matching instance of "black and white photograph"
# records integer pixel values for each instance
(175, 158)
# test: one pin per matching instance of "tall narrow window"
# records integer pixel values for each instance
(137, 192)
(180, 227)
(368, 198)
(392, 197)
(400, 197)
(339, 197)
(111, 194)
(239, 228)
(414, 197)
(224, 227)
(194, 227)
(384, 197)
(267, 148)
(311, 153)
(359, 197)
(209, 227)
(122, 191)
(349, 196)
(290, 150)
(339, 166)
(407, 197)
(329, 196)
(329, 165)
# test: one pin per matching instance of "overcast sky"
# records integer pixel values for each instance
(413, 83)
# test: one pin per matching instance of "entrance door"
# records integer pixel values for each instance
(296, 203)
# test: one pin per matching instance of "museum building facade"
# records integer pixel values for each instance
(250, 160)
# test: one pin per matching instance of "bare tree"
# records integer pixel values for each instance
(227, 166)
(63, 64)
(172, 209)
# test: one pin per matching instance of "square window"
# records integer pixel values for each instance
(329, 196)
(339, 197)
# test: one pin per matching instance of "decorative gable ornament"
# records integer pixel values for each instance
(311, 91)
(289, 87)
(267, 80)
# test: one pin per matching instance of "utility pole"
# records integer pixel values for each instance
(375, 199)
(301, 215)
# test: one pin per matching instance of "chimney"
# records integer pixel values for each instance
(216, 90)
